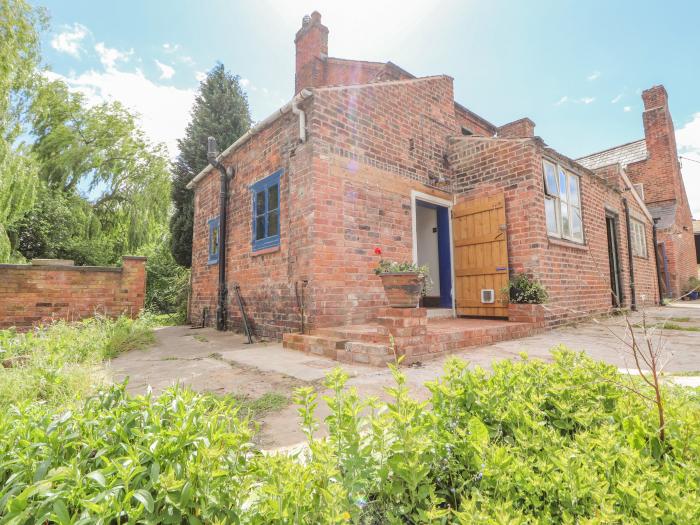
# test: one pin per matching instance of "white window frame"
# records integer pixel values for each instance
(639, 238)
(556, 198)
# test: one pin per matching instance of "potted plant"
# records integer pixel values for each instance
(691, 291)
(526, 296)
(403, 282)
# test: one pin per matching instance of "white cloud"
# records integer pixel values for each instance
(110, 56)
(166, 71)
(70, 40)
(170, 48)
(185, 59)
(164, 110)
(200, 76)
(562, 100)
(616, 99)
(586, 100)
(627, 109)
(593, 76)
(244, 82)
(688, 142)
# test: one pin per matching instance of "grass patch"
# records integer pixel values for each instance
(686, 373)
(200, 338)
(60, 363)
(166, 319)
(668, 325)
(679, 319)
(257, 408)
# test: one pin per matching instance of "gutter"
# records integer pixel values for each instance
(292, 105)
(633, 295)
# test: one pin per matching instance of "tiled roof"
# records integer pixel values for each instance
(665, 212)
(624, 154)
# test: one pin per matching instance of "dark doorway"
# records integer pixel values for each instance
(614, 260)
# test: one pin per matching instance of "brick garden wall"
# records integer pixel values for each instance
(575, 276)
(30, 295)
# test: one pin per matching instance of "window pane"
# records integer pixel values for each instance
(273, 197)
(214, 244)
(574, 190)
(260, 203)
(562, 185)
(565, 230)
(260, 228)
(273, 223)
(576, 224)
(550, 179)
(550, 210)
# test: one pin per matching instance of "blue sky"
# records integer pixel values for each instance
(576, 68)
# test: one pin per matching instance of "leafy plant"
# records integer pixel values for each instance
(529, 442)
(692, 285)
(423, 271)
(60, 364)
(522, 289)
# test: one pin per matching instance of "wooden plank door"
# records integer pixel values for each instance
(480, 255)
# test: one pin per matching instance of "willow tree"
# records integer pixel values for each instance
(97, 153)
(19, 58)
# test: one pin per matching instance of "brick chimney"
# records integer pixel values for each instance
(663, 175)
(521, 129)
(311, 50)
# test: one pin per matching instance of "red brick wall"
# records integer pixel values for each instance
(400, 126)
(266, 278)
(358, 207)
(311, 50)
(575, 276)
(30, 295)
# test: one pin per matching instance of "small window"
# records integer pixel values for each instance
(214, 241)
(266, 212)
(562, 203)
(639, 238)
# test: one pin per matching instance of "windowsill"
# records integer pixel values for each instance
(567, 244)
(212, 263)
(643, 257)
(265, 251)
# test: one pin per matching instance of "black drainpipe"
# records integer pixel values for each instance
(656, 261)
(633, 296)
(212, 154)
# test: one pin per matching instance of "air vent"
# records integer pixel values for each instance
(488, 296)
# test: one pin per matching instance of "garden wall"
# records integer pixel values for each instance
(32, 294)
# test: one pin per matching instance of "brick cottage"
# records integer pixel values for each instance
(366, 155)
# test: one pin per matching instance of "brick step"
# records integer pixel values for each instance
(360, 352)
(373, 354)
(370, 333)
(453, 340)
(314, 344)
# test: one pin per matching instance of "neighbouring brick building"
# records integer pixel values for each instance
(653, 166)
(366, 155)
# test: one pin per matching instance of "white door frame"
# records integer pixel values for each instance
(426, 197)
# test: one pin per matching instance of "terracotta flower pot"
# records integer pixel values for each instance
(402, 289)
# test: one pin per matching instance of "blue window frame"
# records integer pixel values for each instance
(213, 241)
(266, 212)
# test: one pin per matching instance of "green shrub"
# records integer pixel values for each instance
(522, 289)
(529, 443)
(167, 283)
(61, 362)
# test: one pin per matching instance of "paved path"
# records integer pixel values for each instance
(206, 360)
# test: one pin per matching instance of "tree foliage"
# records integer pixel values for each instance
(19, 58)
(220, 111)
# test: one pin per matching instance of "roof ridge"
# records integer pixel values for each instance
(610, 149)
